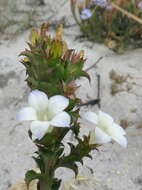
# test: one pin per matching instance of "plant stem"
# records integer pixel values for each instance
(43, 185)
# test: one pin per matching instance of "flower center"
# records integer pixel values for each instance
(45, 115)
(104, 126)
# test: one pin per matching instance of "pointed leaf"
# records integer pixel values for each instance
(40, 163)
(78, 74)
(56, 184)
(30, 176)
(76, 129)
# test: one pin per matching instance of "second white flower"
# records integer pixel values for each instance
(105, 129)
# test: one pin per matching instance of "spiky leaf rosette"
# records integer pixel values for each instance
(50, 66)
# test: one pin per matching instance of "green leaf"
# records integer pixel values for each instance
(40, 163)
(73, 103)
(72, 166)
(76, 66)
(59, 152)
(77, 153)
(51, 139)
(74, 115)
(56, 184)
(30, 176)
(76, 129)
(32, 82)
(78, 74)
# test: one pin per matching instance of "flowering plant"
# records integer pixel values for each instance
(116, 23)
(53, 109)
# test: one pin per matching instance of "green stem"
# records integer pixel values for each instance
(44, 186)
(46, 182)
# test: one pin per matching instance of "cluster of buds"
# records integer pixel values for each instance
(54, 110)
(52, 67)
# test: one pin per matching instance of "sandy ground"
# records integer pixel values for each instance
(114, 168)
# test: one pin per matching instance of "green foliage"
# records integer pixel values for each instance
(77, 153)
(110, 26)
(31, 175)
(50, 65)
(50, 156)
(53, 68)
(46, 159)
(54, 138)
(56, 184)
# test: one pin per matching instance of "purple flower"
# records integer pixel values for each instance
(109, 7)
(101, 3)
(85, 14)
(140, 5)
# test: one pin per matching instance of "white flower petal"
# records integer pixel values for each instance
(38, 100)
(116, 129)
(61, 120)
(120, 139)
(58, 103)
(26, 113)
(39, 129)
(97, 136)
(92, 137)
(101, 137)
(102, 116)
(91, 117)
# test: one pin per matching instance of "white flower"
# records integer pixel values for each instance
(85, 14)
(45, 113)
(105, 129)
